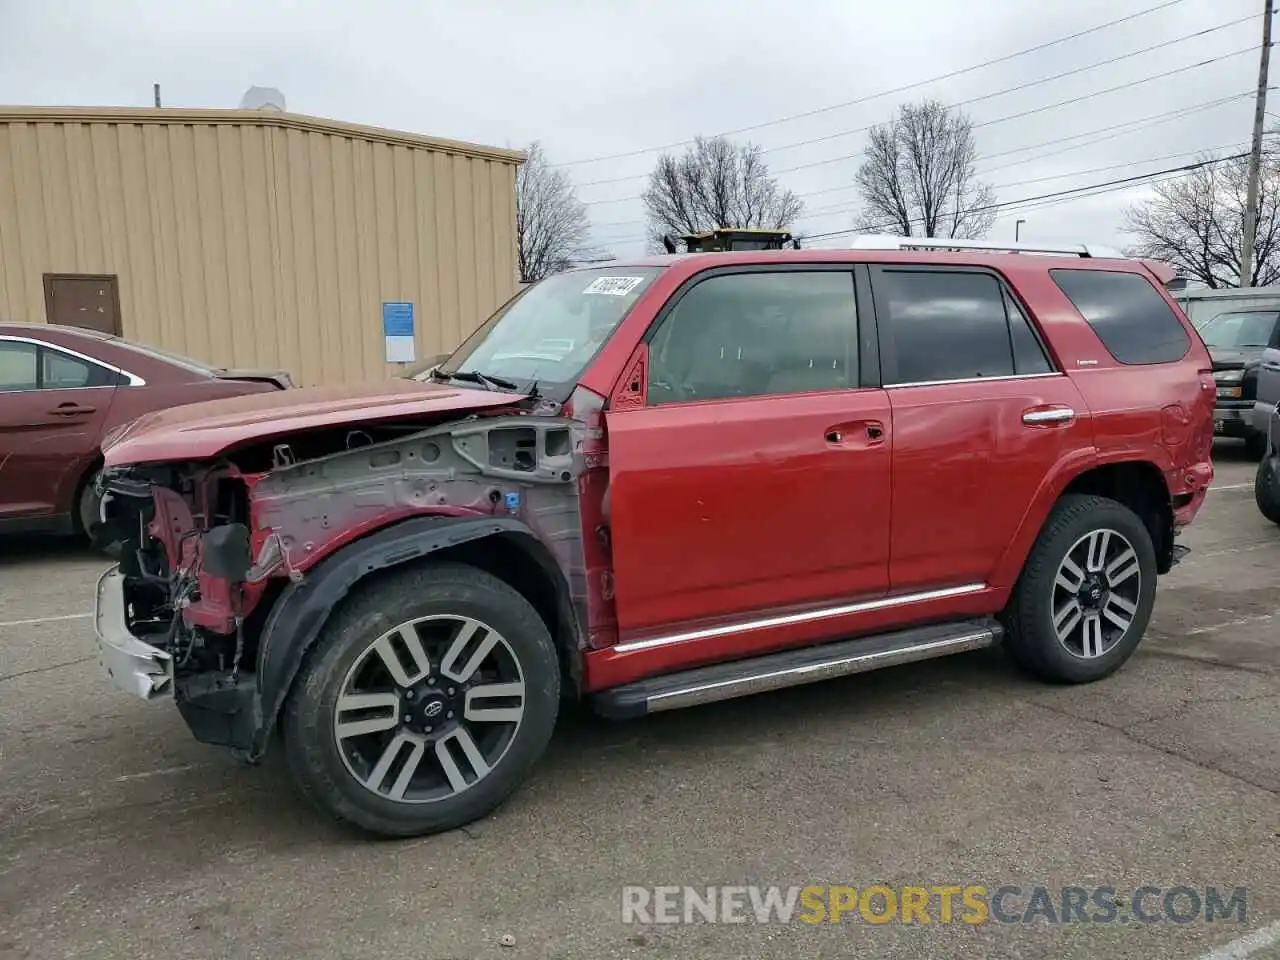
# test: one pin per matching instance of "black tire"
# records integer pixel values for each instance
(1266, 488)
(1030, 638)
(419, 591)
(1255, 446)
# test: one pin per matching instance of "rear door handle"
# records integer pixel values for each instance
(72, 410)
(1044, 415)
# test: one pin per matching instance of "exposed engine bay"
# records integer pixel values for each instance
(205, 549)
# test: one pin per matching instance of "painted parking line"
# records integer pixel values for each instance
(1247, 945)
(1231, 486)
(37, 620)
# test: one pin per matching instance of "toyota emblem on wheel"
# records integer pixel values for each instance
(433, 709)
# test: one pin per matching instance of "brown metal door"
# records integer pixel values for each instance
(77, 300)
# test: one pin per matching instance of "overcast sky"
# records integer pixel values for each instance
(602, 78)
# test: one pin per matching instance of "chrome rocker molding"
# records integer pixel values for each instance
(792, 668)
(807, 616)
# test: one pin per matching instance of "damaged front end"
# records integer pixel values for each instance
(229, 567)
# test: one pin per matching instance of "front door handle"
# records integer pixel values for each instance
(868, 431)
(1043, 415)
(72, 410)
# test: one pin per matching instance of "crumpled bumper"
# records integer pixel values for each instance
(133, 666)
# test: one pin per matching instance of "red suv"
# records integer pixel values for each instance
(654, 485)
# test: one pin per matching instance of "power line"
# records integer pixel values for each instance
(883, 93)
(844, 208)
(1052, 106)
(1117, 184)
(1120, 129)
(978, 99)
(1049, 199)
(987, 123)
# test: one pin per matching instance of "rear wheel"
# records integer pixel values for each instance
(1085, 596)
(1266, 488)
(426, 702)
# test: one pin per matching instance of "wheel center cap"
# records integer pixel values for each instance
(1093, 592)
(433, 708)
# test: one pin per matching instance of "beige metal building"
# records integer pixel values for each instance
(250, 238)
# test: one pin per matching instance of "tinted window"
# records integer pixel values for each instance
(18, 369)
(1028, 352)
(1131, 319)
(945, 325)
(750, 334)
(1244, 329)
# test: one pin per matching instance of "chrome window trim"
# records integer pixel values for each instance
(133, 378)
(807, 616)
(941, 383)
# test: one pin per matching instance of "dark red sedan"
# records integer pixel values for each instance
(61, 390)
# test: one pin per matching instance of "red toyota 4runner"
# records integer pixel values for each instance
(654, 485)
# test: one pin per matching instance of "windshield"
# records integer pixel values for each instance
(550, 332)
(1251, 329)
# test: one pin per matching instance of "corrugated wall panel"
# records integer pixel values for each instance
(258, 244)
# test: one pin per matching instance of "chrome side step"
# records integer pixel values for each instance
(790, 668)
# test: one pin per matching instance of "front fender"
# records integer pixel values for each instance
(301, 611)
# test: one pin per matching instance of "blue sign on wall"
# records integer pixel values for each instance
(397, 319)
(397, 332)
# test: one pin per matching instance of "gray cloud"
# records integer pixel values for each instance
(609, 77)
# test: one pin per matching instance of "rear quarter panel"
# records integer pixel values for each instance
(1160, 414)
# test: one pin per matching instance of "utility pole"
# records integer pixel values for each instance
(1255, 155)
(1017, 230)
(156, 89)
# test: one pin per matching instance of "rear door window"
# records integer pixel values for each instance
(1131, 319)
(946, 325)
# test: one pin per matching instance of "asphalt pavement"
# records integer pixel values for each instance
(122, 837)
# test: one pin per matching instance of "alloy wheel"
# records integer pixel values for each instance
(429, 708)
(1096, 593)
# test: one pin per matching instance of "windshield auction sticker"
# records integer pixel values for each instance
(613, 286)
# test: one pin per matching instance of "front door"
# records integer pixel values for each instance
(755, 478)
(980, 418)
(52, 409)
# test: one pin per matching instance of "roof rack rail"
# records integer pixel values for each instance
(887, 242)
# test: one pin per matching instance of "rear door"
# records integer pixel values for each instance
(755, 477)
(980, 418)
(53, 406)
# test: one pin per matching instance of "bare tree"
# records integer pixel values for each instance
(1196, 221)
(551, 223)
(716, 183)
(917, 178)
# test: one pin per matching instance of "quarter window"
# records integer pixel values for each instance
(954, 325)
(756, 334)
(18, 367)
(1131, 319)
(58, 371)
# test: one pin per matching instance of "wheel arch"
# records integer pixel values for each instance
(1137, 483)
(502, 546)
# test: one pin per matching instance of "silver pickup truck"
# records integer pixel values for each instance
(1241, 328)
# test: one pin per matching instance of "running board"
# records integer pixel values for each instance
(724, 681)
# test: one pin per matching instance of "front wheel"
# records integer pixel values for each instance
(1266, 488)
(425, 703)
(1085, 596)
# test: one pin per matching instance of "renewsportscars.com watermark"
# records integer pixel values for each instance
(948, 903)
